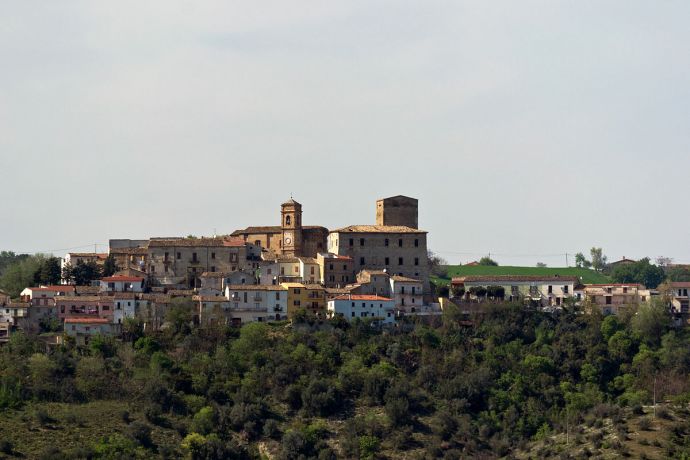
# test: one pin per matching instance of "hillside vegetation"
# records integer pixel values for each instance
(330, 389)
(586, 275)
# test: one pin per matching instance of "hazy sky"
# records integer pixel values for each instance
(528, 129)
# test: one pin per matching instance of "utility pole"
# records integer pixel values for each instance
(566, 260)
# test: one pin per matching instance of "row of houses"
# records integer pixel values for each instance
(556, 291)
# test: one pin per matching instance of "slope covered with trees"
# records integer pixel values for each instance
(338, 390)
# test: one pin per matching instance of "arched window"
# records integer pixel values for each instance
(287, 220)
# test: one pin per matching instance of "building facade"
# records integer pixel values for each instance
(362, 306)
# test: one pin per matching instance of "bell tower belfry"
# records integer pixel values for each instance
(291, 226)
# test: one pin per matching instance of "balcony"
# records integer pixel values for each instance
(194, 261)
(83, 311)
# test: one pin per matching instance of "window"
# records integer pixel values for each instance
(296, 269)
(550, 290)
(330, 266)
(385, 242)
(312, 270)
(166, 256)
(344, 267)
(608, 300)
(565, 289)
(361, 260)
(400, 242)
(194, 259)
(166, 269)
(387, 261)
(245, 297)
(402, 289)
(213, 269)
(288, 220)
(153, 269)
(352, 241)
(416, 243)
(213, 255)
(269, 271)
(361, 241)
(416, 260)
(277, 295)
(413, 289)
(400, 260)
(179, 255)
(625, 290)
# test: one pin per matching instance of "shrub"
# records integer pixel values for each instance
(6, 447)
(42, 417)
(663, 412)
(124, 416)
(644, 423)
(141, 433)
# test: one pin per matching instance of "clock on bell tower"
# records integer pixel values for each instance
(291, 225)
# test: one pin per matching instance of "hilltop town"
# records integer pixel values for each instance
(294, 341)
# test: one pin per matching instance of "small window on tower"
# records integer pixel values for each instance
(287, 220)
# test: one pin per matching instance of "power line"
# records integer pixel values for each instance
(46, 251)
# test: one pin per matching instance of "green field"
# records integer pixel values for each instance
(587, 276)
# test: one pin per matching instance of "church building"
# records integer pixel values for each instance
(290, 238)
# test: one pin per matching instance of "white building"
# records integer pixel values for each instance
(407, 293)
(124, 306)
(362, 306)
(122, 284)
(257, 302)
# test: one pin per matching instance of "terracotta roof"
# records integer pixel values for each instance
(313, 286)
(376, 272)
(14, 304)
(377, 229)
(614, 285)
(197, 242)
(272, 229)
(123, 295)
(85, 290)
(83, 298)
(100, 255)
(361, 297)
(181, 292)
(255, 287)
(290, 202)
(87, 320)
(333, 291)
(680, 284)
(53, 288)
(516, 278)
(404, 279)
(161, 298)
(126, 279)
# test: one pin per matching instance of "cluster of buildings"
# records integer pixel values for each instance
(553, 292)
(259, 273)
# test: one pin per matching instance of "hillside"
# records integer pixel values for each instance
(587, 276)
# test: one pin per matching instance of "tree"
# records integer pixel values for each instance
(110, 267)
(50, 272)
(21, 274)
(581, 261)
(598, 258)
(651, 322)
(641, 272)
(679, 273)
(437, 264)
(541, 264)
(81, 274)
(488, 261)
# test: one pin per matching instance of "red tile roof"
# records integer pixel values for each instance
(53, 288)
(126, 279)
(87, 320)
(361, 297)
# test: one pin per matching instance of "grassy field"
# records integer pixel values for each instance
(587, 276)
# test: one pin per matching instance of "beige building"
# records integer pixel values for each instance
(311, 297)
(406, 294)
(398, 250)
(539, 290)
(615, 298)
(181, 261)
(335, 271)
(290, 238)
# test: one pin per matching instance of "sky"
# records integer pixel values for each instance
(527, 130)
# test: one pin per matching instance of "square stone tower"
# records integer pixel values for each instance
(398, 210)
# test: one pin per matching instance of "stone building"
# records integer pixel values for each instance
(399, 250)
(397, 210)
(290, 238)
(335, 271)
(181, 261)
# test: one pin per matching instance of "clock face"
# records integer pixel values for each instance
(287, 238)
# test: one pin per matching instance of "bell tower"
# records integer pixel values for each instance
(291, 226)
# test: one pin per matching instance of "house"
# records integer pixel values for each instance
(614, 298)
(309, 270)
(152, 309)
(335, 271)
(407, 294)
(130, 258)
(84, 306)
(4, 297)
(257, 302)
(112, 284)
(623, 261)
(212, 310)
(44, 295)
(311, 297)
(678, 296)
(74, 258)
(124, 306)
(13, 312)
(375, 282)
(541, 291)
(83, 329)
(363, 306)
